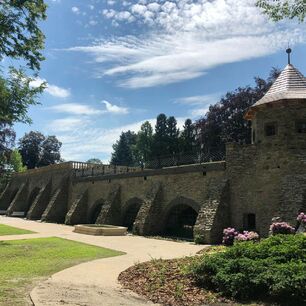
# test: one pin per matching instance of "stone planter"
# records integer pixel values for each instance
(100, 230)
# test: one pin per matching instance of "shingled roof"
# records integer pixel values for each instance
(290, 84)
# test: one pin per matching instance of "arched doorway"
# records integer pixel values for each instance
(131, 212)
(180, 220)
(95, 211)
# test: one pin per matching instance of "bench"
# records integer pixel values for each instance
(2, 212)
(18, 214)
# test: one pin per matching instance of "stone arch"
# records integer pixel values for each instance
(179, 218)
(130, 212)
(95, 211)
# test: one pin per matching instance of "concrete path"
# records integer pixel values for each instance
(95, 283)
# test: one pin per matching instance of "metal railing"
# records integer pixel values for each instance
(180, 159)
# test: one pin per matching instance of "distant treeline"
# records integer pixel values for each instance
(222, 123)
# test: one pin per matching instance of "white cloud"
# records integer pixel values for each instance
(183, 39)
(53, 90)
(87, 110)
(68, 124)
(115, 109)
(199, 104)
(75, 10)
(75, 109)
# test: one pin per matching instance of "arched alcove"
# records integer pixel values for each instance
(130, 212)
(180, 217)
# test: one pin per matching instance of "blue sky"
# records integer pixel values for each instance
(111, 65)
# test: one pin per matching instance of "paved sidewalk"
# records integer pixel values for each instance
(95, 283)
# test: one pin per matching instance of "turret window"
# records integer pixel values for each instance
(270, 129)
(301, 126)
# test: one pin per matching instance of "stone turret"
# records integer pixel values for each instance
(280, 116)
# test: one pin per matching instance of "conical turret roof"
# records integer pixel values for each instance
(290, 85)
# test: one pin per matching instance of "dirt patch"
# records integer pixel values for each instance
(167, 282)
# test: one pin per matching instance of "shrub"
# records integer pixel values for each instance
(281, 228)
(229, 235)
(273, 267)
(247, 236)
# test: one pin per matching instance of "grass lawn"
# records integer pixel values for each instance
(24, 262)
(9, 230)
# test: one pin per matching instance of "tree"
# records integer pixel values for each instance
(20, 36)
(122, 155)
(16, 95)
(95, 161)
(37, 150)
(16, 161)
(7, 138)
(187, 137)
(144, 142)
(224, 122)
(160, 138)
(172, 136)
(280, 9)
(50, 151)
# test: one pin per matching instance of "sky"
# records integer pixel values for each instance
(111, 65)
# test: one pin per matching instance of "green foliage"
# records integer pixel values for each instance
(16, 95)
(280, 9)
(144, 142)
(20, 36)
(273, 267)
(187, 140)
(224, 121)
(38, 150)
(123, 155)
(16, 162)
(23, 261)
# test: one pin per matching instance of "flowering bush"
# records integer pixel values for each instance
(301, 218)
(247, 236)
(229, 235)
(281, 228)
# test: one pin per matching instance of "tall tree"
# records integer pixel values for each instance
(122, 154)
(160, 138)
(224, 122)
(38, 151)
(280, 9)
(30, 148)
(144, 142)
(172, 136)
(187, 137)
(50, 151)
(20, 38)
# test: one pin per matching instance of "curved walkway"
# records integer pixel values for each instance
(95, 283)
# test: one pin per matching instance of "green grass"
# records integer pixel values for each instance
(24, 262)
(9, 230)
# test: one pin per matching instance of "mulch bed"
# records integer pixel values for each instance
(167, 282)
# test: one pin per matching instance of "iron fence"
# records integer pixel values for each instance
(174, 160)
(184, 159)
